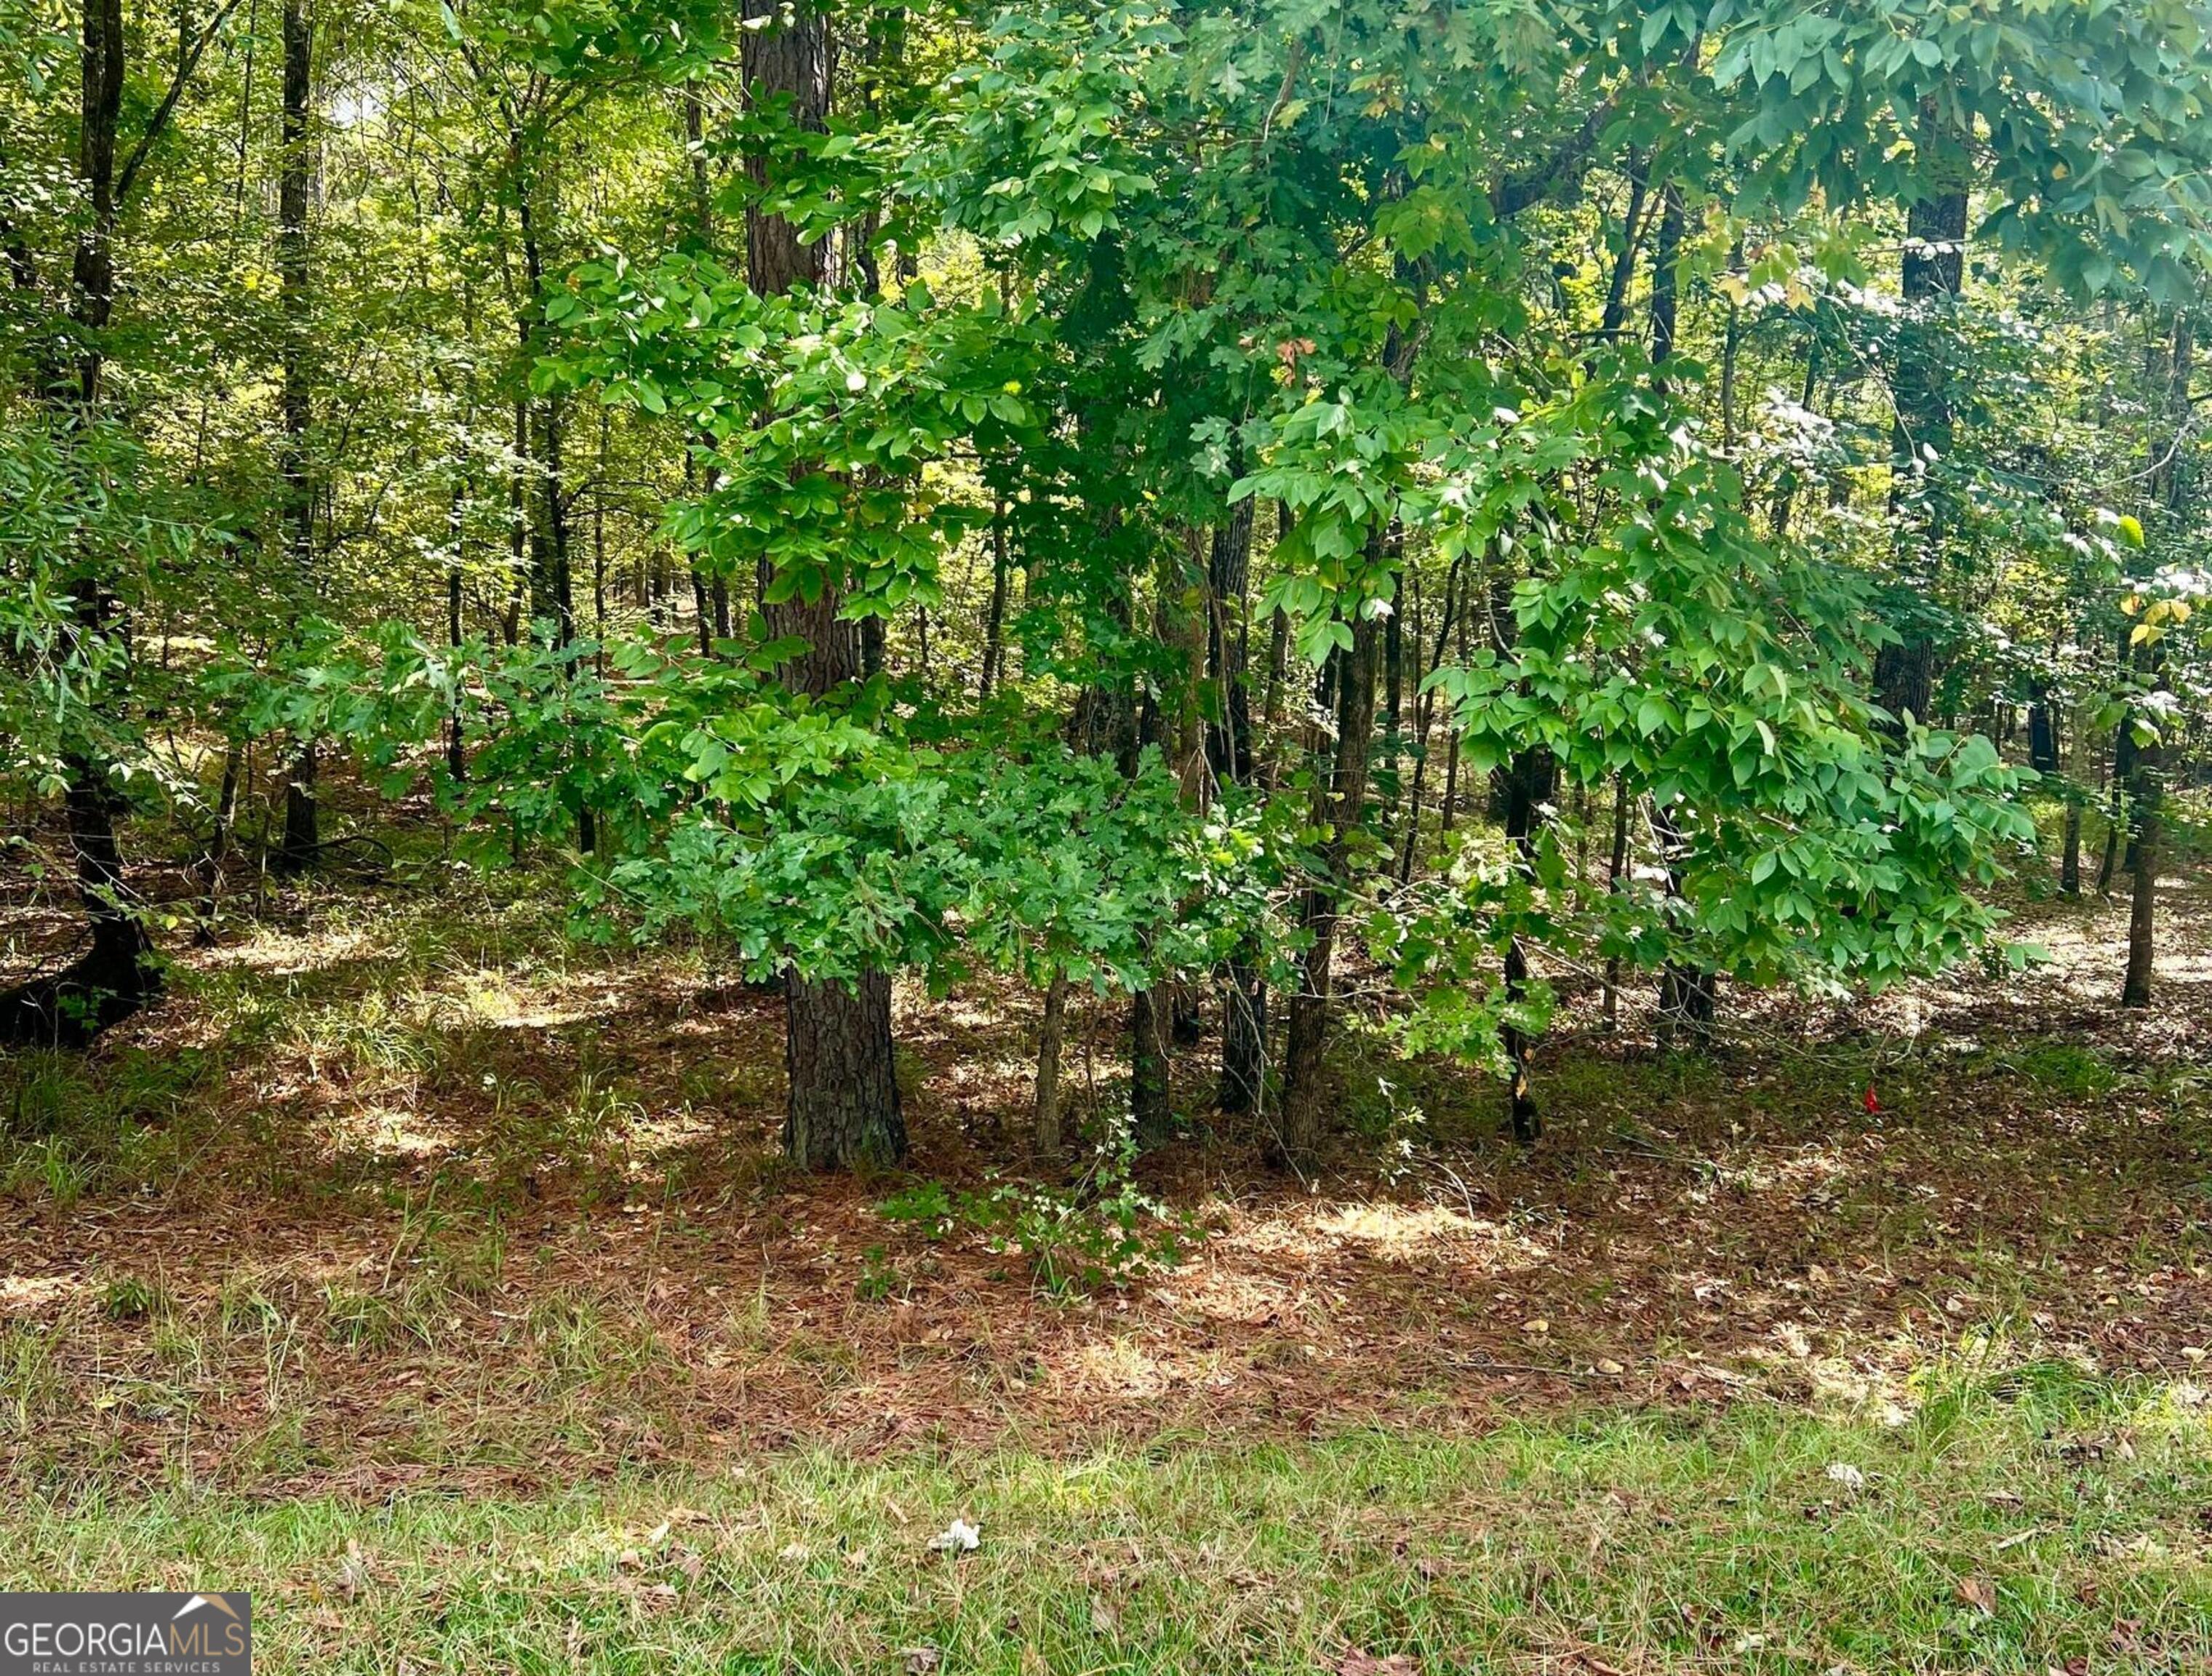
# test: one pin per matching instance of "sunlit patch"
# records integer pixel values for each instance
(1380, 1229)
(1117, 1370)
(1215, 1292)
(35, 1294)
(291, 954)
(393, 1131)
(421, 1161)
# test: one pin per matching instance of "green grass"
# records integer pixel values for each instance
(1642, 1541)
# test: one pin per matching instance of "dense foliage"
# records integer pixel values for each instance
(1182, 500)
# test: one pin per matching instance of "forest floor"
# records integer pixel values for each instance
(436, 1278)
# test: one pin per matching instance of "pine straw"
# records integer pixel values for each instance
(417, 1194)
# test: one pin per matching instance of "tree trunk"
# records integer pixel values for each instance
(552, 567)
(1616, 871)
(2142, 847)
(2041, 736)
(1170, 719)
(1052, 1033)
(1242, 1085)
(1686, 994)
(844, 1099)
(457, 753)
(2170, 486)
(1530, 783)
(995, 618)
(843, 1108)
(218, 849)
(2070, 859)
(1151, 1111)
(1934, 269)
(2123, 772)
(1624, 266)
(301, 844)
(1424, 719)
(1337, 812)
(117, 973)
(1687, 997)
(1666, 274)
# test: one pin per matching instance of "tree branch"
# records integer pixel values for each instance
(187, 62)
(1515, 192)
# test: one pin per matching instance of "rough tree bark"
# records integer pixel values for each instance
(843, 1103)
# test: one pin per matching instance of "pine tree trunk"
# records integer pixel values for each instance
(1152, 1112)
(843, 1110)
(844, 1102)
(1529, 783)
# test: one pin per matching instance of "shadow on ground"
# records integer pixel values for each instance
(426, 1193)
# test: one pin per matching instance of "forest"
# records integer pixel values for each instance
(1354, 836)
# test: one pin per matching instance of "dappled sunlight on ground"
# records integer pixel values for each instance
(382, 1197)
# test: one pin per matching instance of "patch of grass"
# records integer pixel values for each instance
(133, 1298)
(582, 1341)
(33, 1390)
(2054, 1520)
(72, 1125)
(2073, 1070)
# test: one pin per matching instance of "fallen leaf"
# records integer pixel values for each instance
(353, 1574)
(1357, 1663)
(920, 1660)
(1980, 1592)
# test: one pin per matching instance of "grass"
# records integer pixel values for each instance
(2019, 1527)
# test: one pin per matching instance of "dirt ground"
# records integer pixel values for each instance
(490, 1210)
